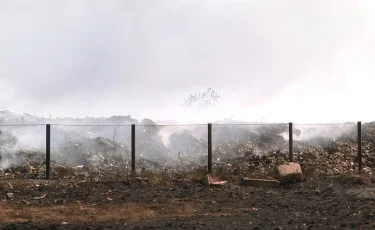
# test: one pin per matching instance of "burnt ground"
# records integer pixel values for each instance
(320, 203)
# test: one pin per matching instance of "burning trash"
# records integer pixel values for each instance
(92, 152)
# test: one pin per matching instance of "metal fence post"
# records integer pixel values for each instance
(133, 149)
(209, 163)
(359, 124)
(48, 151)
(290, 141)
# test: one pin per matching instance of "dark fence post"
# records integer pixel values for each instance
(209, 163)
(359, 146)
(48, 151)
(290, 141)
(133, 149)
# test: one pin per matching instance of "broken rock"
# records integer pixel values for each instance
(289, 172)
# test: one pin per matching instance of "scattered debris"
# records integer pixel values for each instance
(252, 151)
(10, 196)
(259, 182)
(25, 202)
(40, 197)
(10, 186)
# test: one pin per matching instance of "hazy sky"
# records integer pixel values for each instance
(289, 60)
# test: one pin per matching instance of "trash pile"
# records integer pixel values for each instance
(260, 155)
(237, 150)
(90, 157)
(23, 164)
(258, 142)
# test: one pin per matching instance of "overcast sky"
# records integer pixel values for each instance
(289, 60)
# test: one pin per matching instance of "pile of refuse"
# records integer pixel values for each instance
(21, 164)
(317, 156)
(237, 150)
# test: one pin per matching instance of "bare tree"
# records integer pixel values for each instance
(202, 100)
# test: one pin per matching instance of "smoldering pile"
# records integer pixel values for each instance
(104, 152)
(98, 152)
(318, 155)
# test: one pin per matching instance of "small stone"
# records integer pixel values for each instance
(10, 196)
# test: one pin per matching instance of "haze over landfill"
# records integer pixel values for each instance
(270, 61)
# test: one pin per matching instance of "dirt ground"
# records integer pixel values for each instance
(320, 203)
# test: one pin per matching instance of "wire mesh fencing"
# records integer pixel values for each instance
(327, 148)
(177, 147)
(368, 146)
(248, 149)
(101, 152)
(231, 141)
(22, 151)
(90, 151)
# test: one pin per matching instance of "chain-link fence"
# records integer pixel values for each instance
(247, 149)
(368, 146)
(232, 141)
(90, 151)
(101, 152)
(178, 147)
(327, 148)
(22, 151)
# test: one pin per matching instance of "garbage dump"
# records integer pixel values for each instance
(94, 152)
(318, 155)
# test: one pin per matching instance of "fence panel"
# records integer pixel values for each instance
(90, 151)
(368, 147)
(22, 151)
(182, 148)
(326, 148)
(248, 149)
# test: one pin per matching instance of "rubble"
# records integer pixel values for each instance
(316, 156)
(245, 151)
(24, 164)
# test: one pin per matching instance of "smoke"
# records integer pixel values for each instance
(76, 142)
(15, 140)
(272, 60)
